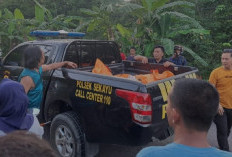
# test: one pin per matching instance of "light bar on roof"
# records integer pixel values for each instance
(42, 33)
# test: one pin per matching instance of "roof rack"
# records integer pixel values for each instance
(61, 33)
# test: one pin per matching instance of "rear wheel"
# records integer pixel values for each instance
(67, 136)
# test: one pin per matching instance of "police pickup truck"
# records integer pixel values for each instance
(85, 107)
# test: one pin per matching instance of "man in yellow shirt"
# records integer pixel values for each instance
(221, 78)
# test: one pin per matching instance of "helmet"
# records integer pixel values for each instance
(178, 47)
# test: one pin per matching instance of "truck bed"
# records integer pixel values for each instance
(107, 117)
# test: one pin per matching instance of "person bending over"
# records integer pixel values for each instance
(31, 76)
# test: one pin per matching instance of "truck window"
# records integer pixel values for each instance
(49, 56)
(87, 54)
(100, 51)
(72, 53)
(114, 49)
(111, 55)
(105, 52)
(15, 58)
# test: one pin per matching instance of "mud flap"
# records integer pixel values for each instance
(165, 133)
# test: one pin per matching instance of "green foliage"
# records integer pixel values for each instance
(139, 23)
(157, 24)
(18, 14)
(174, 4)
(190, 31)
(196, 57)
(8, 14)
(226, 45)
(184, 17)
(39, 14)
(103, 19)
(148, 48)
(26, 6)
(15, 28)
(168, 44)
(215, 16)
(123, 31)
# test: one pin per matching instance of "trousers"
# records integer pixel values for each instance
(223, 124)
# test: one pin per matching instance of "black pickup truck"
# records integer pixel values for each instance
(85, 107)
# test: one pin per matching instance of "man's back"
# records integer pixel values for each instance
(179, 150)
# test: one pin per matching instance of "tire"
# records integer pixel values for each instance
(67, 136)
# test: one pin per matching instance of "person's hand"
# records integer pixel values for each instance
(220, 110)
(167, 64)
(144, 60)
(70, 65)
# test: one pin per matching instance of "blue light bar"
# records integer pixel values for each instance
(41, 33)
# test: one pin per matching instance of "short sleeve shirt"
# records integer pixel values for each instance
(35, 94)
(152, 60)
(222, 80)
(179, 150)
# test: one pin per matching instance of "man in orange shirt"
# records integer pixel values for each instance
(221, 78)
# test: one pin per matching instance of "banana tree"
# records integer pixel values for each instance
(157, 23)
(105, 18)
(15, 28)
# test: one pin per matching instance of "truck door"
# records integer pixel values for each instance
(12, 64)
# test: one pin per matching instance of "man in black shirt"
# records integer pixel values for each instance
(158, 57)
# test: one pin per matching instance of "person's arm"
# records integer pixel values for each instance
(59, 65)
(141, 58)
(220, 109)
(27, 83)
(168, 63)
(213, 81)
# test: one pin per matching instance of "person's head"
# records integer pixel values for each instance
(226, 58)
(132, 51)
(192, 103)
(13, 107)
(158, 52)
(33, 57)
(23, 144)
(178, 49)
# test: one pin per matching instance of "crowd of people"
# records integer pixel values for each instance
(192, 106)
(158, 56)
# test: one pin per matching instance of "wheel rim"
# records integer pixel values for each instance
(64, 141)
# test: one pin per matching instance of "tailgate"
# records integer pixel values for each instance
(159, 94)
